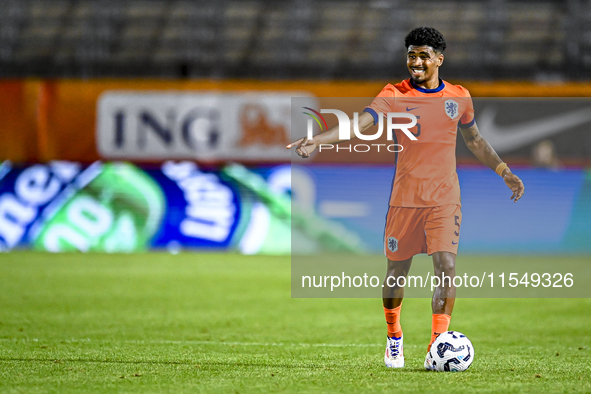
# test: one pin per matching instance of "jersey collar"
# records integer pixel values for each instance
(423, 90)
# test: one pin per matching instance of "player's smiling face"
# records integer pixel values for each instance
(423, 64)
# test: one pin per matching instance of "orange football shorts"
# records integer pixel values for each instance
(411, 231)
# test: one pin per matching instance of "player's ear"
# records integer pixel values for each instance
(440, 60)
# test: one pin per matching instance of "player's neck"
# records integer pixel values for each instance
(431, 84)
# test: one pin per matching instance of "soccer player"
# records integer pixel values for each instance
(424, 215)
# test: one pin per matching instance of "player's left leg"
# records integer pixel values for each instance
(444, 296)
(442, 230)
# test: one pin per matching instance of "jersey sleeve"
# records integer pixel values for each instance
(383, 103)
(467, 119)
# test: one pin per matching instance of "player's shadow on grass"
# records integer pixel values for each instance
(407, 370)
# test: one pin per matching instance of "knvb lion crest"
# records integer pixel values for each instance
(451, 108)
(392, 244)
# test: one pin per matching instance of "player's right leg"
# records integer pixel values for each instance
(392, 296)
(404, 237)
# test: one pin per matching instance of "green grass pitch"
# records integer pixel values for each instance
(226, 323)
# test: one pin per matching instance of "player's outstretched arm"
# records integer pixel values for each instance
(305, 146)
(487, 156)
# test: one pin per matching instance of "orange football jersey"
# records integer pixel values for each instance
(426, 168)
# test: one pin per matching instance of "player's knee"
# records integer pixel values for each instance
(444, 264)
(398, 268)
(397, 273)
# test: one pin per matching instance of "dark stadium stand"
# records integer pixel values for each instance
(290, 39)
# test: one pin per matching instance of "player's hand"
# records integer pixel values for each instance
(515, 184)
(304, 146)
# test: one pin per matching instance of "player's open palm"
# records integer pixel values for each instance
(515, 184)
(304, 146)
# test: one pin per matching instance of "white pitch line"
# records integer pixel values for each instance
(282, 344)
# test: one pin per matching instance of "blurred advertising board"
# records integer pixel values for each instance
(114, 207)
(251, 126)
(256, 126)
(121, 207)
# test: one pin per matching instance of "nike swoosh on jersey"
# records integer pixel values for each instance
(454, 243)
(410, 109)
(507, 138)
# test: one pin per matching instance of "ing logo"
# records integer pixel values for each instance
(258, 129)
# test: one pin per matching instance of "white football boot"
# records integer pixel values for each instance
(394, 357)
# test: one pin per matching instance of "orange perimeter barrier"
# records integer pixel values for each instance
(55, 120)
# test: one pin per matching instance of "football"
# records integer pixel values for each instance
(452, 351)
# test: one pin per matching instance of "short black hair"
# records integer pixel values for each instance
(425, 36)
